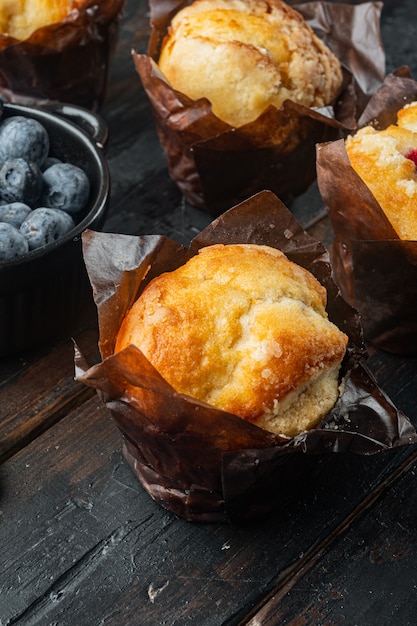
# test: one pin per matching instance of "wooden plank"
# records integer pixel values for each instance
(40, 394)
(398, 377)
(368, 577)
(82, 542)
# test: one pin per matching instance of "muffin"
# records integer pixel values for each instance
(258, 340)
(386, 161)
(368, 185)
(194, 459)
(20, 18)
(57, 51)
(245, 55)
(274, 96)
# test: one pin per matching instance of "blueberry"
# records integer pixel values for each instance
(66, 187)
(44, 225)
(20, 181)
(14, 213)
(23, 137)
(12, 243)
(49, 162)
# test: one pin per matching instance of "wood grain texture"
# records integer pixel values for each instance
(369, 575)
(40, 394)
(91, 545)
(82, 544)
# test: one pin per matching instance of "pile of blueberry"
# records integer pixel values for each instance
(40, 196)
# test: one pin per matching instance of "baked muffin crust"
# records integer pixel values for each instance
(20, 18)
(244, 55)
(386, 160)
(245, 330)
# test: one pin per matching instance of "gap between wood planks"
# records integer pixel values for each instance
(34, 416)
(24, 434)
(260, 614)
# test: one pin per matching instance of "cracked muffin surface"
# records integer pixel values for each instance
(244, 55)
(386, 160)
(244, 329)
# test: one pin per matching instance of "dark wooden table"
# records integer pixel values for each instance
(83, 545)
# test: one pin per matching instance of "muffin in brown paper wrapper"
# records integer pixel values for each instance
(67, 61)
(375, 270)
(216, 166)
(201, 463)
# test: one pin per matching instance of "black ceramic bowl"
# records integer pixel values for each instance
(44, 294)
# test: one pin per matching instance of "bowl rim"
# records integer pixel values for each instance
(96, 151)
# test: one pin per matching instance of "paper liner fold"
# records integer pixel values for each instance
(201, 463)
(67, 61)
(375, 270)
(217, 166)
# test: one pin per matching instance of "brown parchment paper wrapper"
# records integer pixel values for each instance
(201, 463)
(216, 166)
(376, 271)
(67, 61)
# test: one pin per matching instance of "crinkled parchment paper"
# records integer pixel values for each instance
(217, 166)
(201, 463)
(67, 61)
(376, 271)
